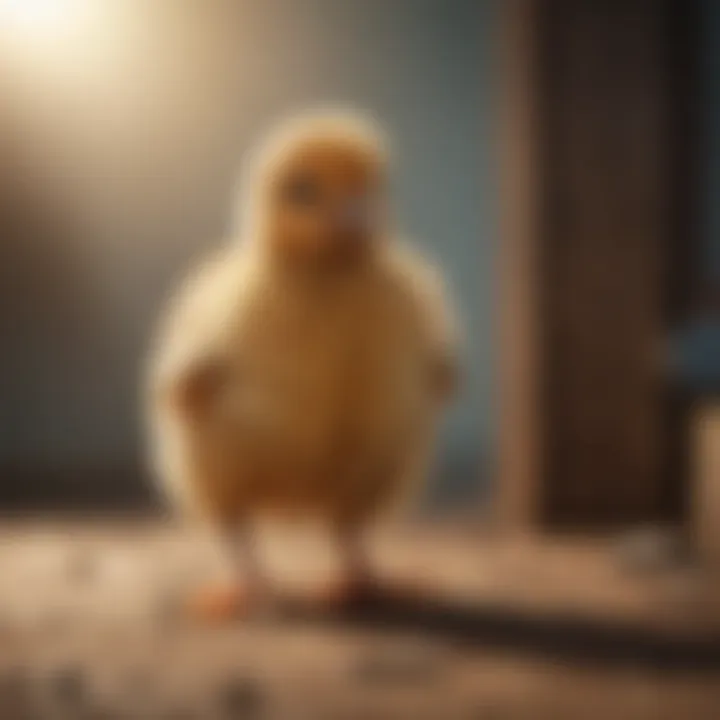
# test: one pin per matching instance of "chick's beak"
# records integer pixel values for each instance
(353, 221)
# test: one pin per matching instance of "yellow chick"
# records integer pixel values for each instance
(303, 369)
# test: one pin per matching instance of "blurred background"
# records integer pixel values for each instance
(123, 128)
(560, 159)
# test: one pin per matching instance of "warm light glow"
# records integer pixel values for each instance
(44, 42)
(41, 20)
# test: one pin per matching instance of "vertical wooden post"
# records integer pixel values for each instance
(520, 458)
(590, 217)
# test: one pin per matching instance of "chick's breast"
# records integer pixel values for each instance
(324, 404)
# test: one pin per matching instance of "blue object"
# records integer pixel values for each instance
(696, 357)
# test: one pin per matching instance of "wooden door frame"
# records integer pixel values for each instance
(520, 355)
(523, 403)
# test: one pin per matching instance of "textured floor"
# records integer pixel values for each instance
(505, 630)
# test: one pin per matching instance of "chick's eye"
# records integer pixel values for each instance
(302, 190)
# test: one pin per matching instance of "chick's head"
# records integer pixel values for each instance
(320, 192)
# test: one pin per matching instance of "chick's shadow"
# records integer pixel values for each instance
(487, 626)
